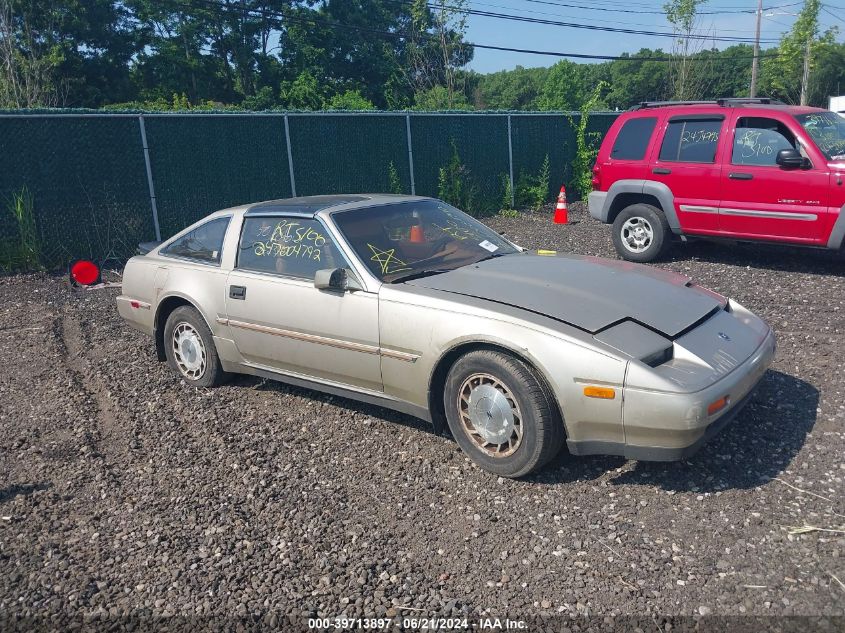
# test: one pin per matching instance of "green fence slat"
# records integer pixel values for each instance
(348, 153)
(482, 144)
(87, 180)
(202, 164)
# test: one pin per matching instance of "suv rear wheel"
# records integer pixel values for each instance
(640, 233)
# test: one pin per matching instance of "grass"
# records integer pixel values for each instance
(23, 254)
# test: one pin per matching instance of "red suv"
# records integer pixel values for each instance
(744, 169)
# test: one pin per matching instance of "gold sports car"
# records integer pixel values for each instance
(408, 303)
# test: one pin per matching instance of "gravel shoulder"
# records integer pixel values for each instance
(125, 493)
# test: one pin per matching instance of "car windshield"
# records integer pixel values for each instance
(828, 131)
(410, 239)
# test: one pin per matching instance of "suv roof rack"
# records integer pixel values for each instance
(725, 102)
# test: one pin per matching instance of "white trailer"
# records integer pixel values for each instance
(837, 104)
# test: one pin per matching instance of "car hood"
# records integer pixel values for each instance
(589, 293)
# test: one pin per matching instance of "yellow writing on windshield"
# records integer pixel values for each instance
(387, 260)
(456, 230)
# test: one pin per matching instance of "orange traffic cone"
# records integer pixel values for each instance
(416, 235)
(560, 208)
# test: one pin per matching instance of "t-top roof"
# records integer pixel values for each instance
(311, 205)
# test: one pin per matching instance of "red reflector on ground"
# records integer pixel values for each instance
(85, 272)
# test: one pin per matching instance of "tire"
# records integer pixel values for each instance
(640, 233)
(195, 359)
(521, 444)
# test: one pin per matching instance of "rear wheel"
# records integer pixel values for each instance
(189, 346)
(640, 233)
(501, 414)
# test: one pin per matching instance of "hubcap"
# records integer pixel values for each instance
(490, 415)
(189, 351)
(637, 234)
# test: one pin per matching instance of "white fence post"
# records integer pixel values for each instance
(290, 159)
(510, 162)
(149, 176)
(410, 154)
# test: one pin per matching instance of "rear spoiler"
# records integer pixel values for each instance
(146, 247)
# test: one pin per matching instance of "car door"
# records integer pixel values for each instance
(280, 321)
(761, 199)
(688, 162)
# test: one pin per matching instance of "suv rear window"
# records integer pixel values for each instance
(632, 140)
(691, 141)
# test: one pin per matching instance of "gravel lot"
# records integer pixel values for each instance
(127, 495)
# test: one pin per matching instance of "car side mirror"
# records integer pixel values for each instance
(337, 279)
(791, 159)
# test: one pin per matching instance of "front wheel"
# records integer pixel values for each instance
(501, 414)
(640, 233)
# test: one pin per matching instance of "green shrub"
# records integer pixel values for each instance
(506, 207)
(454, 184)
(532, 191)
(586, 145)
(394, 184)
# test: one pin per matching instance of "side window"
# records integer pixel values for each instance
(203, 244)
(691, 141)
(296, 247)
(632, 140)
(758, 141)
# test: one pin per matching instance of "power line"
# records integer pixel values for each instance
(603, 21)
(591, 27)
(312, 21)
(831, 13)
(733, 11)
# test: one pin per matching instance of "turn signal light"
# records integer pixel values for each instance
(605, 393)
(717, 406)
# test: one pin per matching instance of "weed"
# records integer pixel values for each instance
(454, 184)
(532, 191)
(394, 184)
(586, 145)
(25, 254)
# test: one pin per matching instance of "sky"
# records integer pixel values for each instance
(727, 21)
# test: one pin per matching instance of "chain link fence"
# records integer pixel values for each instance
(97, 184)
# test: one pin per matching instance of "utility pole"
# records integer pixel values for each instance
(755, 67)
(805, 79)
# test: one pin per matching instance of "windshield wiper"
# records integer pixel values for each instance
(417, 274)
(490, 256)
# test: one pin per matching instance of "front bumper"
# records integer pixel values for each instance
(661, 426)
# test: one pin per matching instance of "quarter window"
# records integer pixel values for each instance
(633, 139)
(295, 247)
(691, 141)
(758, 141)
(203, 244)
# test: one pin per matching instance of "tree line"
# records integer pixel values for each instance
(356, 55)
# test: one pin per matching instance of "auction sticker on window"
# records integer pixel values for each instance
(488, 246)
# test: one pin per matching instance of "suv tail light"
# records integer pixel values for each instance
(597, 177)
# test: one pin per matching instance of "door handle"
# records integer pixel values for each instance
(237, 292)
(661, 170)
(738, 175)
